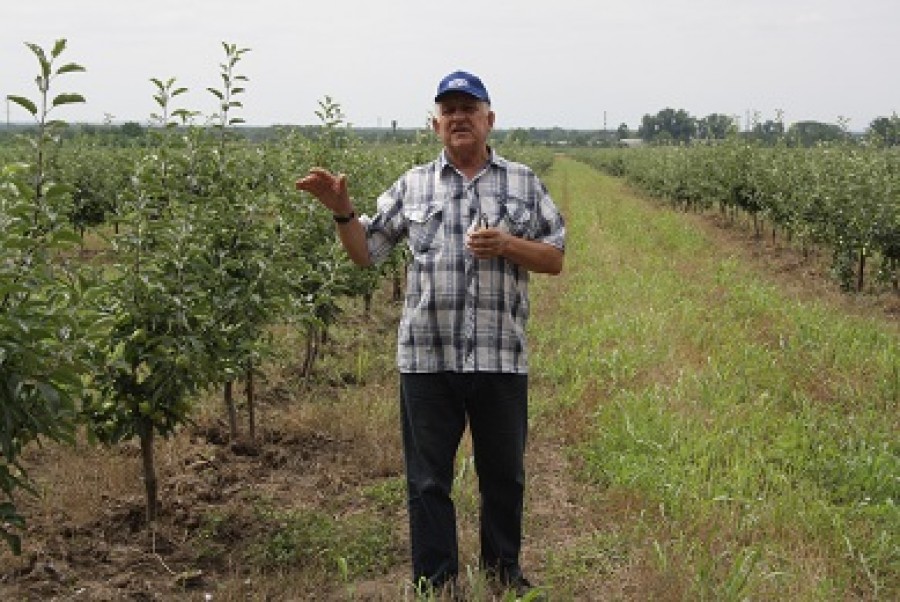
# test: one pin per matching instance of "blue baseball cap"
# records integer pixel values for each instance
(461, 81)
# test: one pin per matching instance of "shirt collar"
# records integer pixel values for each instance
(493, 159)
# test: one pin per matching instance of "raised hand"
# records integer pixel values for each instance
(330, 189)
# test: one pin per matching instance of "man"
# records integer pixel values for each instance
(476, 225)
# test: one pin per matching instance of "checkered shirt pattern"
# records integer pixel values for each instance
(462, 314)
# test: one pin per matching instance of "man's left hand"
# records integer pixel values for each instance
(488, 243)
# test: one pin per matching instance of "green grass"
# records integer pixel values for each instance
(387, 494)
(344, 547)
(760, 430)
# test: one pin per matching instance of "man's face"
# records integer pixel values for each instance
(463, 122)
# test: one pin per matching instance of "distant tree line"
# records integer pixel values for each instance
(671, 126)
(668, 126)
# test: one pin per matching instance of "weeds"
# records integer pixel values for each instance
(387, 494)
(345, 548)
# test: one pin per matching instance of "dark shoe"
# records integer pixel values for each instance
(523, 588)
(520, 585)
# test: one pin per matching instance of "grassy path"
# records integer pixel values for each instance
(722, 438)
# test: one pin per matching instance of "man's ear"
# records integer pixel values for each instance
(491, 118)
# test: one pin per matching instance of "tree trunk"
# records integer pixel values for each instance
(311, 338)
(397, 295)
(895, 272)
(149, 464)
(862, 269)
(251, 408)
(228, 395)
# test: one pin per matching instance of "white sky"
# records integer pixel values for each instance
(545, 62)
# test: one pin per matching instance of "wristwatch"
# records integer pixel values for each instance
(343, 219)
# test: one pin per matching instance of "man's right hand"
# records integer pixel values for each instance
(330, 189)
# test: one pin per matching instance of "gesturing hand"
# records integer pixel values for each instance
(328, 188)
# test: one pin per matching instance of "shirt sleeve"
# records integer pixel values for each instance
(388, 226)
(550, 227)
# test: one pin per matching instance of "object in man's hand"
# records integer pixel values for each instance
(479, 223)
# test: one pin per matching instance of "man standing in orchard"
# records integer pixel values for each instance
(476, 225)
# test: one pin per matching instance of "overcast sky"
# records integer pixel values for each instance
(545, 63)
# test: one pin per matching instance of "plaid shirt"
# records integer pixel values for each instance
(462, 314)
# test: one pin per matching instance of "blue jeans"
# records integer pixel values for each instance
(435, 409)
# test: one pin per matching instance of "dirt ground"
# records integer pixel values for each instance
(87, 538)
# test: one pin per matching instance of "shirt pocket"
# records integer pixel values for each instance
(426, 228)
(517, 217)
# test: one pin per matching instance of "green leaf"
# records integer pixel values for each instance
(67, 99)
(24, 103)
(66, 236)
(216, 93)
(58, 191)
(236, 120)
(10, 289)
(70, 68)
(42, 58)
(37, 50)
(178, 91)
(58, 47)
(19, 243)
(12, 540)
(103, 326)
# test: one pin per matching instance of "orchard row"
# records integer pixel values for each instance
(841, 197)
(131, 278)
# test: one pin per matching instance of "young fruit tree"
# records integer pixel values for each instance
(45, 334)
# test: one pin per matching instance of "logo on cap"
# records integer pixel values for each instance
(461, 81)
